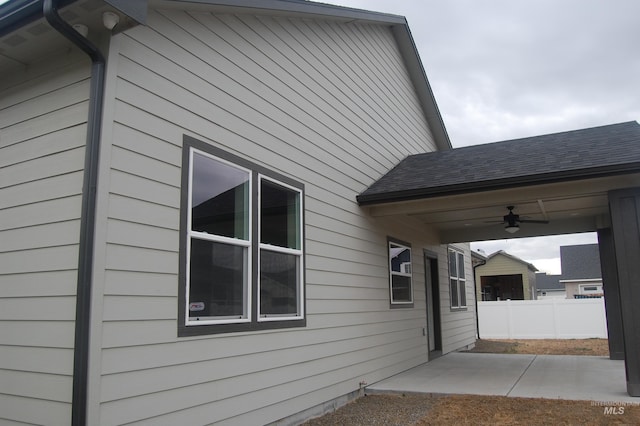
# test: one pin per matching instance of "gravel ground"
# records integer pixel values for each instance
(379, 410)
(474, 410)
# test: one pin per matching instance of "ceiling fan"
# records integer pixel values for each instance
(513, 221)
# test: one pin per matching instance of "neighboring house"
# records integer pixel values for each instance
(212, 264)
(548, 286)
(581, 274)
(505, 277)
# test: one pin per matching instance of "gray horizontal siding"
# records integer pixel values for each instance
(296, 97)
(33, 411)
(255, 361)
(42, 132)
(199, 402)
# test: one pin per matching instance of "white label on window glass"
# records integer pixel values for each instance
(196, 306)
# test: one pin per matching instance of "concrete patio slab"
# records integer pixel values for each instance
(535, 376)
(574, 377)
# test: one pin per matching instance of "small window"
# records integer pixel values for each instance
(280, 251)
(400, 277)
(219, 242)
(590, 288)
(457, 280)
(242, 258)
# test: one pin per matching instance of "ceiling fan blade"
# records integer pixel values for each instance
(533, 221)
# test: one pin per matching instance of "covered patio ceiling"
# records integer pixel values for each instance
(562, 178)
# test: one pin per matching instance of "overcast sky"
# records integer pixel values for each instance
(504, 69)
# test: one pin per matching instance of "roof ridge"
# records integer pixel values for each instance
(546, 135)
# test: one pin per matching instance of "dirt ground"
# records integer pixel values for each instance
(593, 347)
(427, 410)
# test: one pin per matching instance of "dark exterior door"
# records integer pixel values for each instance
(432, 291)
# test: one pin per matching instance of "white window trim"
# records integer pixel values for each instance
(401, 274)
(247, 299)
(297, 252)
(459, 306)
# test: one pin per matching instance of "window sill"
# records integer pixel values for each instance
(211, 329)
(401, 305)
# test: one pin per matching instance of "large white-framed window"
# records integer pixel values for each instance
(241, 245)
(457, 280)
(400, 274)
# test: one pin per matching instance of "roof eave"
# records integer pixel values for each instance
(294, 7)
(496, 184)
(18, 13)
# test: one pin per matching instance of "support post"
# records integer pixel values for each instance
(624, 206)
(611, 293)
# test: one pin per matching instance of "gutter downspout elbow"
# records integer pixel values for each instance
(484, 262)
(88, 212)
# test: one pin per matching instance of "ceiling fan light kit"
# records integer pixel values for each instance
(512, 229)
(513, 221)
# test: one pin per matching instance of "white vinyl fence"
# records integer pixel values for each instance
(542, 319)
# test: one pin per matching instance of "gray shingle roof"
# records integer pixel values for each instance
(580, 262)
(592, 152)
(545, 281)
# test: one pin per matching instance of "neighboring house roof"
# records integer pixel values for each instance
(477, 259)
(17, 14)
(546, 282)
(478, 255)
(579, 154)
(580, 262)
(512, 257)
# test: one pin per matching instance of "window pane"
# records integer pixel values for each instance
(453, 271)
(463, 293)
(400, 258)
(279, 216)
(461, 265)
(454, 293)
(217, 280)
(279, 279)
(220, 198)
(401, 288)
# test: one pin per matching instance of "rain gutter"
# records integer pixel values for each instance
(88, 211)
(484, 262)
